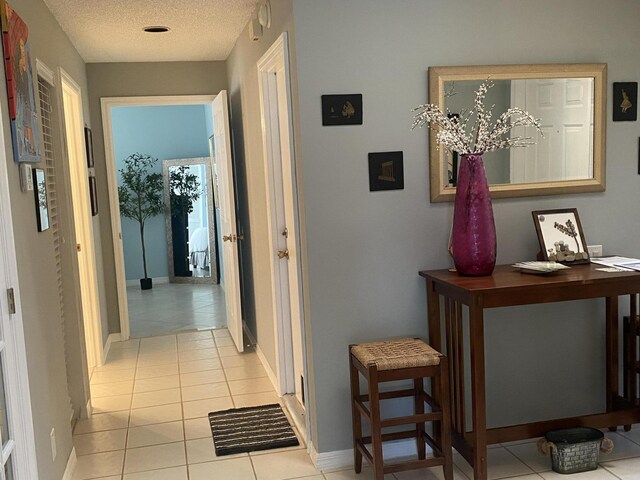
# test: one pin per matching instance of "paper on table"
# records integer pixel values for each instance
(617, 262)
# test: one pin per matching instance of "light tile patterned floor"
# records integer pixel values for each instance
(172, 307)
(151, 401)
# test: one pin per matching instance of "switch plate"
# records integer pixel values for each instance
(594, 251)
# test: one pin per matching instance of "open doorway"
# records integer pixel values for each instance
(166, 203)
(193, 300)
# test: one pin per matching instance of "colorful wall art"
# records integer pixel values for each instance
(22, 101)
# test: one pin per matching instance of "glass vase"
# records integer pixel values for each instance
(473, 237)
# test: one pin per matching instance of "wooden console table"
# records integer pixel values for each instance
(508, 287)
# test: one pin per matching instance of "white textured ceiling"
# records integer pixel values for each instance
(111, 30)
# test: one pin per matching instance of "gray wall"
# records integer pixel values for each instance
(35, 255)
(137, 79)
(365, 249)
(249, 174)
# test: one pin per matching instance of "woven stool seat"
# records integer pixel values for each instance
(393, 354)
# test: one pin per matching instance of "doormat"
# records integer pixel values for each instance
(250, 429)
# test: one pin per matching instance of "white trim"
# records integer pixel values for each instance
(17, 374)
(276, 61)
(90, 296)
(45, 72)
(343, 459)
(88, 409)
(71, 465)
(267, 368)
(156, 281)
(106, 104)
(113, 337)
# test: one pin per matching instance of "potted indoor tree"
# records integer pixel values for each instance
(140, 194)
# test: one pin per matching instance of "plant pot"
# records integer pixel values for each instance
(146, 283)
(473, 238)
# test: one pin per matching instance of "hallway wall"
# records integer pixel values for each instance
(137, 79)
(44, 331)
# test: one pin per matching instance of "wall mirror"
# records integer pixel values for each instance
(570, 101)
(190, 221)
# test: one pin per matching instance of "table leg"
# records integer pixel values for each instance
(435, 337)
(478, 395)
(612, 352)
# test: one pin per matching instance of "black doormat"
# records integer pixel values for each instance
(250, 429)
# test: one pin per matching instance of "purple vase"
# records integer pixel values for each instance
(473, 238)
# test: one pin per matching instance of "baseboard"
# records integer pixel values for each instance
(113, 337)
(156, 281)
(272, 376)
(71, 465)
(341, 459)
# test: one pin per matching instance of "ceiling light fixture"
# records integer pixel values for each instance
(156, 29)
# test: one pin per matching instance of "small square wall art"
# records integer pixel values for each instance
(386, 171)
(625, 101)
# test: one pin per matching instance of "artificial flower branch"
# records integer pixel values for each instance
(452, 130)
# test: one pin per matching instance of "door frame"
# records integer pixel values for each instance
(106, 104)
(92, 327)
(15, 371)
(276, 59)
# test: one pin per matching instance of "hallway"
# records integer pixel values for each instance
(171, 307)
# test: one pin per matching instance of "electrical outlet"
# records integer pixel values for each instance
(54, 448)
(594, 251)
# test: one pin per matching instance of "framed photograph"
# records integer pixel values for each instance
(625, 101)
(88, 143)
(40, 193)
(342, 109)
(386, 171)
(93, 194)
(560, 236)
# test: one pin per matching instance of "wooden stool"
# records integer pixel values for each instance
(403, 359)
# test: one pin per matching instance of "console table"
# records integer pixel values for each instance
(509, 287)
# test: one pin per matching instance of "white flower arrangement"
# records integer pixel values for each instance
(452, 132)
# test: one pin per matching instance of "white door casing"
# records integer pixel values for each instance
(228, 225)
(282, 220)
(565, 107)
(20, 446)
(73, 128)
(107, 104)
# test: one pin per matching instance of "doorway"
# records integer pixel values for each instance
(283, 224)
(73, 127)
(186, 292)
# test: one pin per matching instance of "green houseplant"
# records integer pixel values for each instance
(140, 195)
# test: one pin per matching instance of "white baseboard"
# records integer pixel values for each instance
(156, 281)
(272, 376)
(113, 337)
(341, 459)
(71, 465)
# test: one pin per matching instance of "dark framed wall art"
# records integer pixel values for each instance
(625, 101)
(88, 143)
(93, 194)
(342, 109)
(386, 171)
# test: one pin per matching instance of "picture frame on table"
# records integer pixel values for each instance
(560, 236)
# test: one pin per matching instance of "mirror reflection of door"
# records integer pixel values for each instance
(190, 221)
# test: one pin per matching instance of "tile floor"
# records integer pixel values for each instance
(151, 402)
(172, 307)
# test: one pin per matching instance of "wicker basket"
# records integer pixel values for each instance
(575, 449)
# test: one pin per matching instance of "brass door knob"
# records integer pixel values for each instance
(283, 253)
(227, 238)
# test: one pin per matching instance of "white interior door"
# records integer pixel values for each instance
(228, 226)
(83, 225)
(17, 444)
(565, 108)
(283, 216)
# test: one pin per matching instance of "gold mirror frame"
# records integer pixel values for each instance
(598, 71)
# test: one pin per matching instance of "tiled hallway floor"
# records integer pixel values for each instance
(172, 307)
(151, 402)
